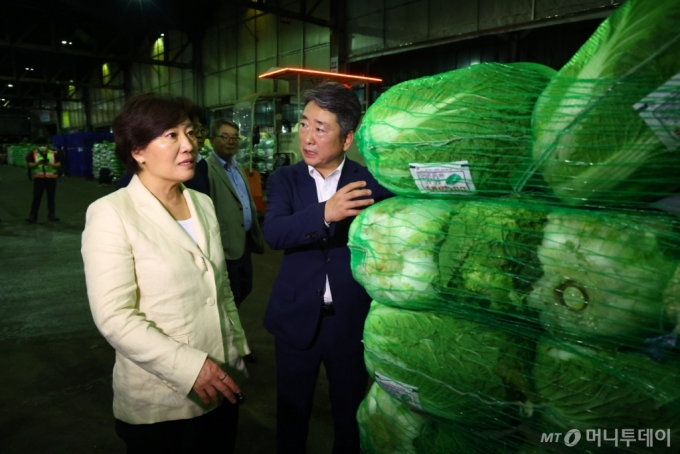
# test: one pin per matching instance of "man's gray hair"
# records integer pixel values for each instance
(218, 123)
(338, 99)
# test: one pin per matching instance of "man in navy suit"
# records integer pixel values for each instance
(317, 310)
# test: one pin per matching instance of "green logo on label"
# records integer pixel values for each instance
(453, 179)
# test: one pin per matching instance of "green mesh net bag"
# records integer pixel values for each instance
(461, 132)
(104, 156)
(443, 384)
(449, 256)
(606, 127)
(387, 425)
(394, 248)
(605, 274)
(601, 277)
(441, 436)
(17, 153)
(598, 290)
(543, 319)
(489, 260)
(592, 390)
(390, 426)
(448, 366)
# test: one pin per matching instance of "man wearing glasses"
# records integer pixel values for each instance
(221, 178)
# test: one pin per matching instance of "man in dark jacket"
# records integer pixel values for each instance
(316, 310)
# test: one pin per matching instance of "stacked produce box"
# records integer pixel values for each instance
(259, 156)
(104, 156)
(526, 278)
(16, 154)
(265, 152)
(205, 151)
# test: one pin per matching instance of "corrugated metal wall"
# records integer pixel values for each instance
(396, 39)
(240, 45)
(107, 102)
(552, 46)
(388, 26)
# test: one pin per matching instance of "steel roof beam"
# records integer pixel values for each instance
(267, 8)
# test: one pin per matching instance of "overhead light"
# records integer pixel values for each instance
(64, 42)
(10, 85)
(2, 99)
(70, 43)
(162, 34)
(279, 72)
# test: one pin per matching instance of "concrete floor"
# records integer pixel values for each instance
(55, 380)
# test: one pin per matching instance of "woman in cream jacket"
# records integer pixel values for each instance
(159, 293)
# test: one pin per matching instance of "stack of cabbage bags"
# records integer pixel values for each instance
(466, 131)
(526, 278)
(265, 152)
(104, 156)
(244, 154)
(259, 156)
(205, 151)
(606, 129)
(16, 154)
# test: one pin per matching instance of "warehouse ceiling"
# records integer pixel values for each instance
(46, 45)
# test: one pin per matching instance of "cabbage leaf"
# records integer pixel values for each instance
(584, 388)
(387, 425)
(489, 259)
(604, 274)
(480, 114)
(394, 246)
(591, 142)
(447, 366)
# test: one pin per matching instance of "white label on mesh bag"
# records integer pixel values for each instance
(661, 111)
(443, 177)
(402, 392)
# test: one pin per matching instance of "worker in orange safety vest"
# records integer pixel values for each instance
(45, 164)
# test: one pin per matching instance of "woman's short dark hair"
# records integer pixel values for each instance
(197, 112)
(143, 118)
(338, 99)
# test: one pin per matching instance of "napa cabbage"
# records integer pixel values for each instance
(604, 274)
(476, 120)
(394, 246)
(585, 388)
(387, 425)
(488, 260)
(605, 128)
(467, 372)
